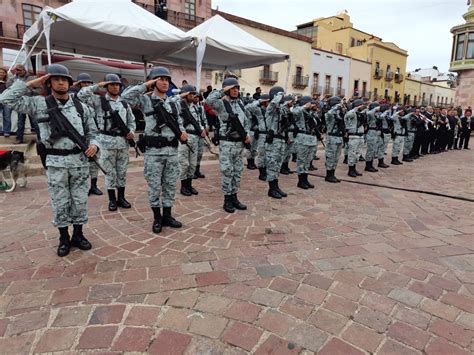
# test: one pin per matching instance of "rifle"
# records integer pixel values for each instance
(311, 126)
(235, 129)
(164, 118)
(61, 127)
(189, 119)
(118, 124)
(341, 126)
(254, 126)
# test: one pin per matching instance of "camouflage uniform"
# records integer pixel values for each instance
(385, 133)
(410, 136)
(400, 133)
(305, 141)
(372, 135)
(356, 137)
(201, 114)
(114, 149)
(230, 152)
(161, 167)
(275, 151)
(334, 138)
(255, 109)
(67, 174)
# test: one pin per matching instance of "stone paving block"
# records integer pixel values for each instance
(459, 301)
(405, 296)
(242, 335)
(212, 278)
(177, 318)
(212, 303)
(408, 335)
(362, 337)
(169, 343)
(28, 322)
(72, 316)
(439, 309)
(328, 321)
(338, 347)
(277, 346)
(56, 340)
(275, 322)
(243, 311)
(270, 271)
(208, 325)
(267, 297)
(340, 305)
(311, 295)
(307, 336)
(142, 316)
(18, 345)
(412, 316)
(107, 315)
(391, 347)
(97, 337)
(378, 302)
(426, 290)
(284, 285)
(452, 332)
(439, 346)
(196, 268)
(372, 319)
(183, 298)
(296, 308)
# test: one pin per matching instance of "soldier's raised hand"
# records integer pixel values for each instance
(35, 83)
(103, 84)
(151, 83)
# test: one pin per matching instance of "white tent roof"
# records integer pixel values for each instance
(228, 46)
(108, 28)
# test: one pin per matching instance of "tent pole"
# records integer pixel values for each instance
(287, 74)
(145, 64)
(16, 58)
(28, 55)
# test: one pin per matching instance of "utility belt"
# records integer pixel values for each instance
(374, 129)
(335, 134)
(62, 152)
(110, 133)
(230, 139)
(400, 134)
(386, 131)
(160, 142)
(358, 134)
(279, 136)
(193, 132)
(411, 131)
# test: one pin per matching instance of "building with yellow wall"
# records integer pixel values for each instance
(337, 34)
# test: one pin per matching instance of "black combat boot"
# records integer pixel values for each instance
(395, 161)
(64, 243)
(228, 204)
(78, 240)
(310, 185)
(251, 164)
(285, 170)
(407, 158)
(282, 194)
(156, 220)
(293, 157)
(121, 201)
(191, 188)
(237, 204)
(357, 173)
(312, 167)
(330, 176)
(112, 200)
(369, 166)
(302, 183)
(94, 190)
(352, 171)
(263, 174)
(184, 188)
(345, 159)
(272, 191)
(334, 176)
(361, 158)
(382, 164)
(197, 173)
(168, 220)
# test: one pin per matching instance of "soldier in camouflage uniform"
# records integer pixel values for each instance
(255, 112)
(372, 136)
(276, 139)
(399, 133)
(290, 147)
(230, 109)
(305, 139)
(354, 123)
(67, 166)
(114, 146)
(252, 152)
(161, 156)
(184, 107)
(84, 80)
(411, 118)
(201, 113)
(336, 133)
(384, 134)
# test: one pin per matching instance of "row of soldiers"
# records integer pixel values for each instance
(272, 128)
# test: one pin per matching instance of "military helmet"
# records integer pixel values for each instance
(303, 100)
(190, 89)
(112, 79)
(156, 72)
(275, 90)
(59, 70)
(334, 100)
(230, 82)
(410, 110)
(357, 103)
(84, 78)
(384, 107)
(264, 97)
(373, 105)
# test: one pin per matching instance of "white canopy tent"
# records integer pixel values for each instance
(223, 45)
(107, 28)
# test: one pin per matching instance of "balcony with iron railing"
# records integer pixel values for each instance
(378, 74)
(20, 30)
(389, 76)
(328, 90)
(268, 77)
(340, 92)
(317, 90)
(398, 78)
(300, 81)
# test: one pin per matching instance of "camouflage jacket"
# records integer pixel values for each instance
(254, 109)
(351, 122)
(303, 137)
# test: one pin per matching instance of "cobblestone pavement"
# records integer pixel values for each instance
(341, 269)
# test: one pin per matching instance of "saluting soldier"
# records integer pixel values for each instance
(373, 132)
(160, 142)
(112, 139)
(399, 133)
(336, 134)
(201, 113)
(67, 165)
(383, 134)
(355, 121)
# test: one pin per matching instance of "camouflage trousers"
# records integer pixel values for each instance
(397, 145)
(67, 188)
(383, 145)
(408, 144)
(275, 153)
(304, 155)
(353, 148)
(261, 151)
(94, 169)
(333, 152)
(231, 165)
(372, 145)
(252, 152)
(161, 172)
(115, 163)
(200, 150)
(187, 158)
(290, 149)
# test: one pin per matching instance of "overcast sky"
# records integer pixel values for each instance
(419, 26)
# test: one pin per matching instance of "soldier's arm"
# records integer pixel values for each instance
(16, 97)
(275, 103)
(132, 95)
(215, 101)
(171, 101)
(131, 125)
(89, 126)
(87, 96)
